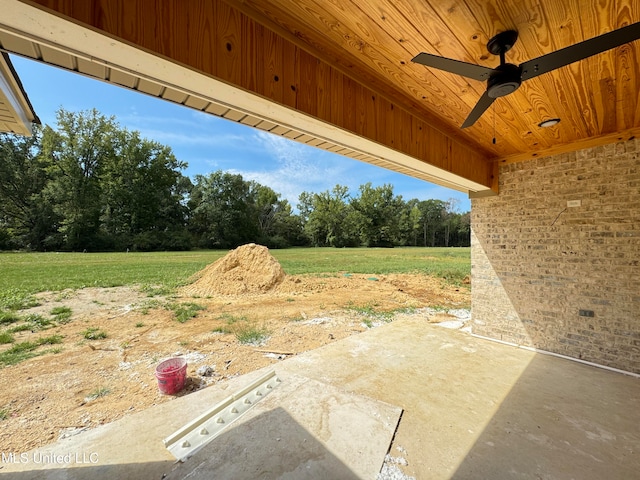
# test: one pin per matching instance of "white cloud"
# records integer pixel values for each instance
(290, 168)
(187, 130)
(199, 139)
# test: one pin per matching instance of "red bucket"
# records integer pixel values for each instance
(171, 375)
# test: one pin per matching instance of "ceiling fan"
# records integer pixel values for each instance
(507, 77)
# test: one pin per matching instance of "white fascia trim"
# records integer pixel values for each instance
(14, 99)
(40, 26)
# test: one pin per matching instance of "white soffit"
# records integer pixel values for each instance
(16, 114)
(25, 30)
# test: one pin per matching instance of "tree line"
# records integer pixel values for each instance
(90, 184)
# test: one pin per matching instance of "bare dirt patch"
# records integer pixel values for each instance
(84, 383)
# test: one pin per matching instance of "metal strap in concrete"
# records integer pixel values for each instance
(197, 433)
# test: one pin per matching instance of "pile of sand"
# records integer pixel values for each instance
(247, 269)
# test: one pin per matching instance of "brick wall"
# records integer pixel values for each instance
(537, 263)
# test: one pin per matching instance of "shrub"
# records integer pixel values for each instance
(37, 322)
(18, 352)
(61, 314)
(185, 311)
(20, 328)
(7, 318)
(252, 335)
(94, 333)
(52, 340)
(13, 299)
(6, 337)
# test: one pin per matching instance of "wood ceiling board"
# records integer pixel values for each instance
(591, 142)
(533, 24)
(467, 36)
(173, 36)
(273, 54)
(543, 26)
(594, 97)
(68, 36)
(422, 85)
(394, 18)
(285, 23)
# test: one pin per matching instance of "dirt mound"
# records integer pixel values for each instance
(247, 269)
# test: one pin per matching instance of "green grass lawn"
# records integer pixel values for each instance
(27, 273)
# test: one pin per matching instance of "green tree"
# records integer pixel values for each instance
(110, 188)
(76, 154)
(410, 223)
(143, 195)
(450, 218)
(329, 220)
(279, 227)
(433, 213)
(379, 215)
(26, 219)
(460, 230)
(267, 204)
(222, 210)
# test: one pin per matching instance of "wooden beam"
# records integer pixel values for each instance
(623, 136)
(213, 38)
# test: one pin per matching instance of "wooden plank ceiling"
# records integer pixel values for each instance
(348, 64)
(374, 41)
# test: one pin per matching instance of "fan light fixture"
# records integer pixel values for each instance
(549, 123)
(507, 77)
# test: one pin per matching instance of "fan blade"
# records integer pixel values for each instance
(580, 51)
(470, 70)
(484, 103)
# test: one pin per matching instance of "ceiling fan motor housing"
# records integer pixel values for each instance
(504, 79)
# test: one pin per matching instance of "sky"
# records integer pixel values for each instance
(209, 143)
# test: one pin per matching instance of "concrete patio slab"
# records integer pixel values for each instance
(472, 409)
(476, 409)
(304, 429)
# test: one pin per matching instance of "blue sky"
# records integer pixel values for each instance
(208, 143)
